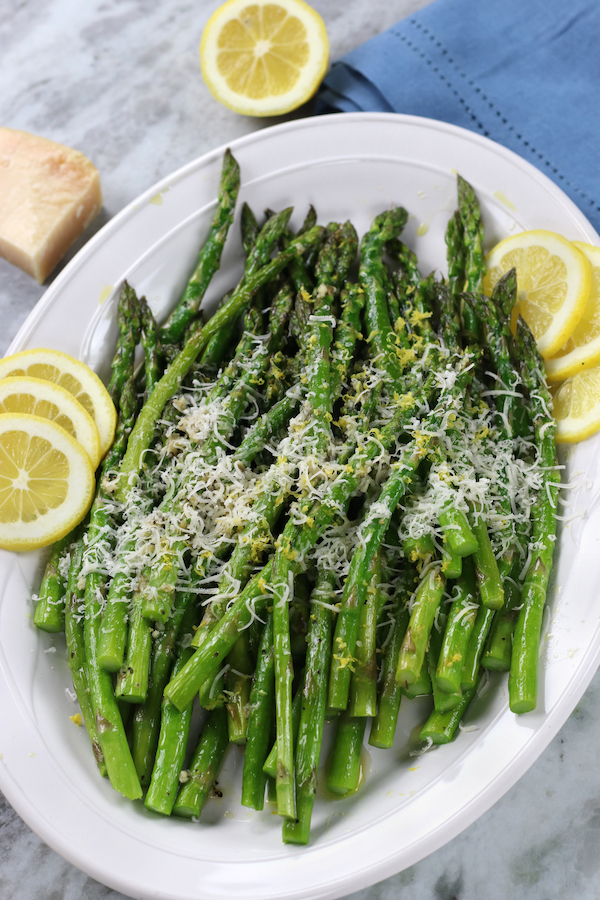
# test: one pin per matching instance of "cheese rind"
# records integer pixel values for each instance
(49, 194)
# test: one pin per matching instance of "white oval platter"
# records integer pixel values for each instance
(352, 166)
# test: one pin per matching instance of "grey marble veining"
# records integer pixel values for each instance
(120, 81)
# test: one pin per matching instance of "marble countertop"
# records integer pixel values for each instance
(119, 80)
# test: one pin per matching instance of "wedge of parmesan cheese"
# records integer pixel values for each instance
(49, 194)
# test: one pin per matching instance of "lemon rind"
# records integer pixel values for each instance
(578, 360)
(571, 434)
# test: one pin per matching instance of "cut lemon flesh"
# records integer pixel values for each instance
(553, 282)
(264, 58)
(72, 375)
(46, 482)
(582, 350)
(35, 397)
(577, 406)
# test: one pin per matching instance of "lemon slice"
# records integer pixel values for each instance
(75, 377)
(582, 350)
(577, 406)
(264, 58)
(46, 482)
(553, 279)
(34, 397)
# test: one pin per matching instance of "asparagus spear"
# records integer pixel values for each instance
(260, 718)
(146, 718)
(363, 685)
(522, 683)
(459, 626)
(172, 740)
(472, 253)
(455, 254)
(204, 767)
(414, 646)
(50, 608)
(210, 254)
(343, 773)
(151, 346)
(74, 636)
(390, 691)
(312, 716)
(111, 733)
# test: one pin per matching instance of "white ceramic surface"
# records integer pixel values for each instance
(350, 166)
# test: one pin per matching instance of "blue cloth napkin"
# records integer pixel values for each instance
(525, 73)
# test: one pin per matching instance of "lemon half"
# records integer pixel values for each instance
(264, 58)
(72, 375)
(553, 279)
(46, 482)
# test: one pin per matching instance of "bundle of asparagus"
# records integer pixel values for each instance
(338, 490)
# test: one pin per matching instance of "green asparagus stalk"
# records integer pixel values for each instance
(331, 271)
(146, 718)
(442, 700)
(470, 216)
(497, 654)
(477, 641)
(204, 767)
(75, 640)
(111, 733)
(210, 255)
(522, 683)
(172, 743)
(459, 626)
(425, 606)
(260, 718)
(363, 684)
(249, 227)
(455, 254)
(150, 343)
(384, 722)
(270, 765)
(422, 687)
(312, 716)
(489, 581)
(50, 608)
(440, 727)
(343, 774)
(371, 276)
